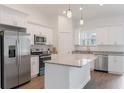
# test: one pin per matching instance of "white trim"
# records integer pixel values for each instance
(34, 23)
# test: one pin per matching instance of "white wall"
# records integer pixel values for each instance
(109, 21)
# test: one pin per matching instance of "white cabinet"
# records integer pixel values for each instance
(12, 17)
(65, 43)
(48, 33)
(50, 37)
(65, 35)
(34, 66)
(116, 35)
(116, 64)
(77, 37)
(112, 35)
(92, 66)
(34, 29)
(64, 24)
(102, 36)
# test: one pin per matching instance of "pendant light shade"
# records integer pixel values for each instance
(81, 21)
(69, 13)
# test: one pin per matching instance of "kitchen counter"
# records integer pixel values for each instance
(116, 53)
(70, 71)
(77, 60)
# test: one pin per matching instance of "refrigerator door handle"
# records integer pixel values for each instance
(16, 52)
(19, 52)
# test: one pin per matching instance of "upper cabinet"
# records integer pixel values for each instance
(64, 24)
(49, 37)
(112, 35)
(109, 35)
(116, 35)
(76, 37)
(65, 35)
(102, 36)
(34, 29)
(12, 17)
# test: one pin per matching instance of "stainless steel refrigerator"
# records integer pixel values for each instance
(14, 58)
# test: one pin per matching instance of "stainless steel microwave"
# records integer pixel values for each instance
(39, 39)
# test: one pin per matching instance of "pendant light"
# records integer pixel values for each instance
(69, 12)
(81, 19)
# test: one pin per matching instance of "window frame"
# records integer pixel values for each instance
(81, 38)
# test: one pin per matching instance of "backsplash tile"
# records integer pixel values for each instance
(102, 48)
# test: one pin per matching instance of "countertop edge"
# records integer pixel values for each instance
(65, 64)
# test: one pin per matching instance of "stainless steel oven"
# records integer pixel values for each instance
(40, 40)
(42, 58)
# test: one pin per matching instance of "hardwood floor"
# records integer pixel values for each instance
(102, 80)
(99, 80)
(36, 83)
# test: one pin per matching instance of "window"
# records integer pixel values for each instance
(87, 38)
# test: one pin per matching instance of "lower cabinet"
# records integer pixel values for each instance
(34, 66)
(116, 64)
(92, 65)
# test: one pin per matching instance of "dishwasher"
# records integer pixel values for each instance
(101, 63)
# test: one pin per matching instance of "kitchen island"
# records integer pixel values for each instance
(70, 71)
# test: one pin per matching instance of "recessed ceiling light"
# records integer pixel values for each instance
(64, 12)
(81, 8)
(100, 4)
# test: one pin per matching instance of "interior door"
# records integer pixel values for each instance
(24, 60)
(10, 68)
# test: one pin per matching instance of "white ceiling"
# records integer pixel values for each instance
(90, 11)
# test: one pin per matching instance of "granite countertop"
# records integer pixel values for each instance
(116, 53)
(76, 60)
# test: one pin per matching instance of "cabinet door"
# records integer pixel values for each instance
(20, 20)
(48, 33)
(65, 43)
(6, 16)
(64, 24)
(12, 17)
(77, 37)
(115, 64)
(102, 36)
(116, 35)
(34, 66)
(50, 37)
